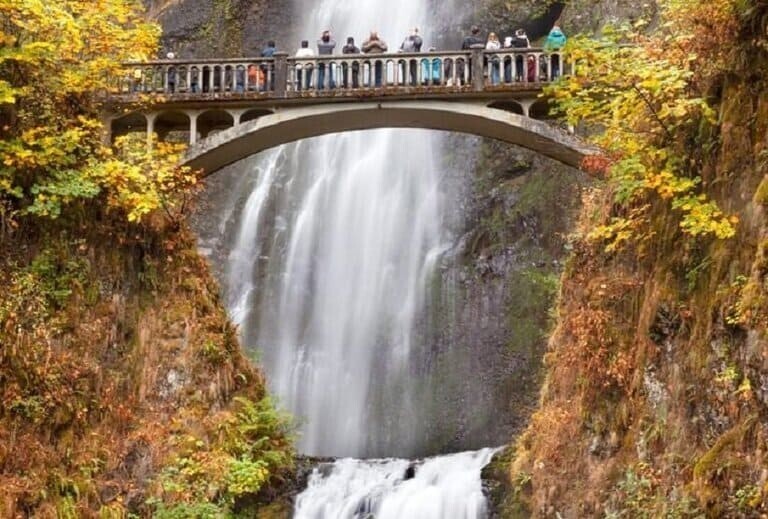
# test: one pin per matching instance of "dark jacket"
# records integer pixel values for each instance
(472, 40)
(325, 48)
(350, 49)
(520, 42)
(412, 43)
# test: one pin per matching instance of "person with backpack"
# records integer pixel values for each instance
(555, 41)
(411, 44)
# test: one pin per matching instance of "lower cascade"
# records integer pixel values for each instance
(443, 487)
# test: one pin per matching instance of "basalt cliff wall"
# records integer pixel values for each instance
(655, 402)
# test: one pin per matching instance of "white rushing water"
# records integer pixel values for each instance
(337, 243)
(348, 245)
(445, 487)
(336, 246)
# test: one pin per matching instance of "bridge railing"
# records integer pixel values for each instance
(284, 76)
(169, 77)
(444, 69)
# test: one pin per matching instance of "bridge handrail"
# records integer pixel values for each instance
(285, 75)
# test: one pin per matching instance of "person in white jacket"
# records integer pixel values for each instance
(304, 52)
(493, 45)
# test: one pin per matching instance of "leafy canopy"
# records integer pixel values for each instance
(641, 98)
(55, 60)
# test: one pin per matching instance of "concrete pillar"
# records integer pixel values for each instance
(236, 115)
(193, 115)
(477, 69)
(150, 129)
(281, 73)
(526, 105)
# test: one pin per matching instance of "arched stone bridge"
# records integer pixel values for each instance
(230, 109)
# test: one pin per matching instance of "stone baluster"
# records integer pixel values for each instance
(281, 73)
(549, 67)
(476, 67)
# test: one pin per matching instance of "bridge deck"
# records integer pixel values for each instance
(256, 103)
(459, 73)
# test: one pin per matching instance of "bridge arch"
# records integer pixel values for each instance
(514, 107)
(294, 123)
(169, 121)
(254, 113)
(214, 120)
(539, 109)
(133, 122)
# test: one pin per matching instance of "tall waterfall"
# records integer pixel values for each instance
(333, 247)
(336, 246)
(344, 233)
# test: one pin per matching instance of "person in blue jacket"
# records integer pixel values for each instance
(555, 42)
(430, 70)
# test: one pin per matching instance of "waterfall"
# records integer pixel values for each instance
(445, 487)
(334, 251)
(333, 246)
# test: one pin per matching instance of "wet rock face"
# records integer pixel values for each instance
(491, 317)
(221, 28)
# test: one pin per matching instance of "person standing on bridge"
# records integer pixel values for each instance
(325, 47)
(494, 45)
(171, 75)
(412, 43)
(351, 48)
(375, 45)
(520, 41)
(306, 68)
(473, 39)
(555, 42)
(268, 68)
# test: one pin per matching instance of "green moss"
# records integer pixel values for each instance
(717, 461)
(507, 493)
(761, 193)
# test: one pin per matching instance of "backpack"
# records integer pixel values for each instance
(409, 45)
